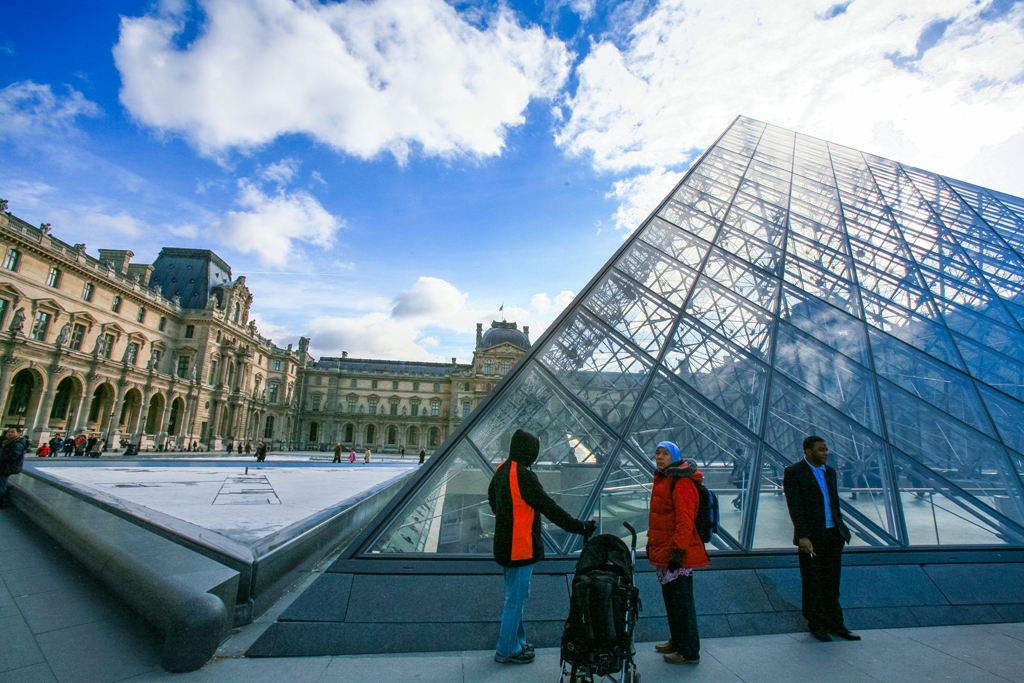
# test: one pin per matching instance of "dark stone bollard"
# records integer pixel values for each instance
(194, 633)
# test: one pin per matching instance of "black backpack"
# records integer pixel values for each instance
(708, 516)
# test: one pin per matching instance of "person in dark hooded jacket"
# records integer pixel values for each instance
(12, 457)
(518, 500)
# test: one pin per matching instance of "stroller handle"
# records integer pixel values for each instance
(632, 532)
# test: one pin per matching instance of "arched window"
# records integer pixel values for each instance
(312, 431)
(371, 434)
(268, 431)
(21, 392)
(432, 440)
(392, 435)
(414, 437)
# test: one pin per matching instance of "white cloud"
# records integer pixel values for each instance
(640, 194)
(362, 77)
(543, 304)
(279, 334)
(29, 109)
(430, 299)
(281, 172)
(272, 224)
(882, 76)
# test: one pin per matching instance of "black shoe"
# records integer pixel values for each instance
(523, 657)
(823, 636)
(846, 634)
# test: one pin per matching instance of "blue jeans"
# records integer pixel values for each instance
(512, 637)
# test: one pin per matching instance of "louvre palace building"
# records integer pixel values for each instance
(164, 356)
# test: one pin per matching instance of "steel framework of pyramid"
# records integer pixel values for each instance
(788, 286)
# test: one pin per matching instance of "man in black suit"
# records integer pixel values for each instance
(820, 534)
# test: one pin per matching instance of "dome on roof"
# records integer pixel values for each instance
(502, 333)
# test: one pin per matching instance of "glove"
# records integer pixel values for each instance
(675, 561)
(589, 528)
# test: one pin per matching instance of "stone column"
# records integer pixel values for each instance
(136, 429)
(39, 428)
(84, 403)
(113, 433)
(161, 428)
(7, 367)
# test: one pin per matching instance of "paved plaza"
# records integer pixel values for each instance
(59, 624)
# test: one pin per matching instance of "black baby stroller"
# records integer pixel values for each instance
(598, 637)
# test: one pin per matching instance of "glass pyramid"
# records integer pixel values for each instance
(788, 286)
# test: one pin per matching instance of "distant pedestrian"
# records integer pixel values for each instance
(81, 445)
(402, 451)
(56, 445)
(819, 534)
(675, 549)
(43, 450)
(366, 456)
(423, 455)
(194, 446)
(231, 447)
(352, 456)
(261, 451)
(12, 457)
(337, 453)
(248, 447)
(96, 447)
(69, 446)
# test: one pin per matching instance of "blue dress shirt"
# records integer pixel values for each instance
(819, 474)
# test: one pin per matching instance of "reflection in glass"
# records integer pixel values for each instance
(448, 515)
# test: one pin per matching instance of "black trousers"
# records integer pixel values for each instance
(819, 576)
(682, 616)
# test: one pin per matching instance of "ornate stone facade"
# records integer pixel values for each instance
(158, 354)
(389, 405)
(164, 355)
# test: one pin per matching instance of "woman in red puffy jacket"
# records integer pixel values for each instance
(675, 549)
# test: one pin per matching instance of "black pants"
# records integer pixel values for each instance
(682, 616)
(820, 578)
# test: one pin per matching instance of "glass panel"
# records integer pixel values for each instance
(826, 324)
(701, 201)
(735, 318)
(823, 285)
(657, 272)
(845, 385)
(975, 464)
(670, 412)
(767, 228)
(992, 368)
(625, 497)
(764, 256)
(591, 363)
(774, 528)
(625, 306)
(448, 514)
(913, 329)
(722, 373)
(1008, 416)
(857, 454)
(736, 276)
(937, 513)
(1006, 340)
(926, 378)
(678, 244)
(689, 219)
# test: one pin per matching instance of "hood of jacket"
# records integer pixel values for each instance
(683, 469)
(524, 449)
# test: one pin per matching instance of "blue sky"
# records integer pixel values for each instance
(388, 173)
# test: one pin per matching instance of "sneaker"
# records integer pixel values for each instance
(665, 648)
(524, 657)
(676, 658)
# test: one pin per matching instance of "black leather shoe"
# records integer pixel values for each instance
(846, 634)
(821, 635)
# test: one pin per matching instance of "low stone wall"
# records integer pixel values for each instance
(349, 610)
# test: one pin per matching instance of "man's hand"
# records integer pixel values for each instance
(589, 528)
(675, 561)
(806, 546)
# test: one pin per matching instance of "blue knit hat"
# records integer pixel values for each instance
(671, 448)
